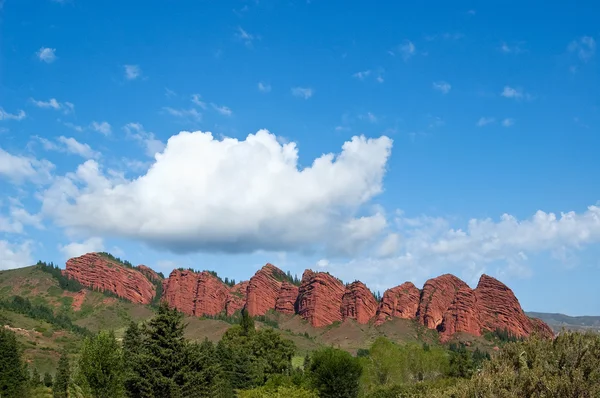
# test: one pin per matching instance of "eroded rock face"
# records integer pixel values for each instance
(236, 298)
(320, 298)
(195, 293)
(462, 315)
(499, 309)
(101, 273)
(399, 302)
(437, 296)
(286, 299)
(263, 289)
(358, 303)
(149, 273)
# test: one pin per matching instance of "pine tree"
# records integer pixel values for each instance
(61, 380)
(247, 323)
(101, 366)
(36, 379)
(48, 379)
(12, 376)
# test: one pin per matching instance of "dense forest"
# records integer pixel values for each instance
(153, 359)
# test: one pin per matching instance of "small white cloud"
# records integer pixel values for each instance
(46, 54)
(484, 121)
(132, 72)
(515, 93)
(184, 113)
(407, 49)
(101, 127)
(322, 263)
(508, 122)
(20, 115)
(246, 37)
(264, 87)
(15, 255)
(73, 126)
(147, 139)
(75, 249)
(302, 92)
(362, 75)
(52, 103)
(379, 79)
(223, 110)
(584, 47)
(369, 116)
(508, 49)
(197, 100)
(442, 87)
(170, 93)
(78, 148)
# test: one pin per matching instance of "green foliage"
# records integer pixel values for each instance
(287, 277)
(12, 371)
(362, 352)
(124, 263)
(63, 375)
(503, 335)
(42, 312)
(335, 373)
(36, 379)
(47, 380)
(64, 282)
(278, 392)
(101, 366)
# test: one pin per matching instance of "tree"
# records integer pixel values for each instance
(48, 379)
(335, 373)
(36, 379)
(247, 323)
(61, 380)
(12, 376)
(101, 366)
(136, 385)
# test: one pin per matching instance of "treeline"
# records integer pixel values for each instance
(64, 282)
(43, 313)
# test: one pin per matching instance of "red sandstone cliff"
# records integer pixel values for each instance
(236, 298)
(195, 293)
(286, 298)
(358, 303)
(101, 273)
(149, 273)
(399, 302)
(320, 298)
(263, 289)
(437, 296)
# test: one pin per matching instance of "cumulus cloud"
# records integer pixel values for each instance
(69, 145)
(101, 127)
(484, 121)
(76, 249)
(132, 72)
(151, 144)
(302, 92)
(17, 218)
(20, 115)
(19, 169)
(52, 103)
(442, 87)
(13, 255)
(46, 54)
(230, 196)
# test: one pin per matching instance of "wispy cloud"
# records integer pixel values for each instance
(72, 126)
(170, 93)
(512, 49)
(132, 72)
(52, 103)
(223, 110)
(264, 87)
(362, 75)
(101, 127)
(515, 93)
(508, 122)
(246, 37)
(584, 47)
(442, 86)
(369, 116)
(69, 145)
(484, 121)
(302, 92)
(20, 115)
(151, 144)
(46, 54)
(197, 100)
(407, 49)
(184, 113)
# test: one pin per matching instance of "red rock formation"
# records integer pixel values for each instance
(236, 298)
(320, 298)
(101, 273)
(398, 302)
(149, 273)
(358, 303)
(195, 293)
(462, 315)
(286, 299)
(436, 297)
(263, 289)
(499, 309)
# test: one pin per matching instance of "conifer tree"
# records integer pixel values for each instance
(47, 379)
(61, 380)
(12, 376)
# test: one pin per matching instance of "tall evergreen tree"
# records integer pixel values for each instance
(12, 376)
(101, 366)
(136, 384)
(63, 375)
(36, 379)
(48, 379)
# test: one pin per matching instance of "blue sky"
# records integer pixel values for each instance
(378, 141)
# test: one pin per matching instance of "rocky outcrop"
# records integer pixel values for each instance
(398, 302)
(99, 272)
(195, 293)
(358, 303)
(320, 298)
(462, 315)
(286, 299)
(149, 273)
(263, 289)
(236, 298)
(436, 297)
(498, 308)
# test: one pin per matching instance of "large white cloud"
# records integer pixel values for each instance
(13, 255)
(230, 195)
(19, 169)
(75, 249)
